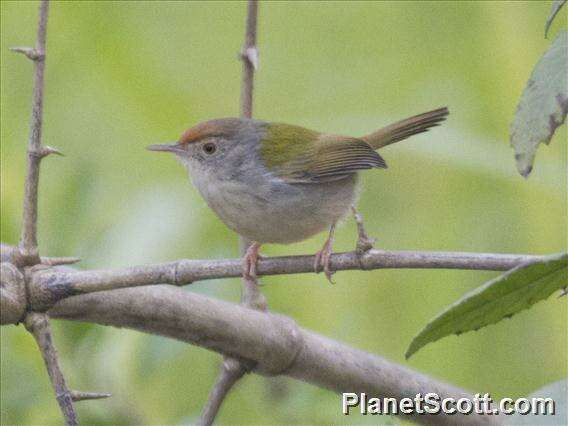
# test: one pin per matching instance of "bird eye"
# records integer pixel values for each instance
(209, 148)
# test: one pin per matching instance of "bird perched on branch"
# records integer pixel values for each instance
(279, 183)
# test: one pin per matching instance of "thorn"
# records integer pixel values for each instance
(251, 55)
(30, 52)
(48, 150)
(44, 151)
(83, 396)
(56, 261)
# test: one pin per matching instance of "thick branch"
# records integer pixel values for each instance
(273, 342)
(12, 294)
(28, 240)
(38, 325)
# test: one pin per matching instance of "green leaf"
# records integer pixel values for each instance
(499, 298)
(556, 6)
(558, 391)
(543, 104)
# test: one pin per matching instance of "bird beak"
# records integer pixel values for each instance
(176, 148)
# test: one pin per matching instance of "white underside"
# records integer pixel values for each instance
(277, 212)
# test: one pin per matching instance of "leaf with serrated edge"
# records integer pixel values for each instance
(499, 298)
(543, 104)
(556, 6)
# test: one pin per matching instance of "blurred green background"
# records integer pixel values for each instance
(122, 75)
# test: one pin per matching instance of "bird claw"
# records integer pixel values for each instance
(322, 261)
(364, 242)
(250, 260)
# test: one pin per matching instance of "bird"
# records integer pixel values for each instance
(277, 183)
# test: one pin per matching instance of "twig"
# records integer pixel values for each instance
(29, 254)
(273, 342)
(38, 325)
(51, 285)
(230, 373)
(233, 370)
(249, 55)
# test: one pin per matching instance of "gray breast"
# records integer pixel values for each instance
(277, 212)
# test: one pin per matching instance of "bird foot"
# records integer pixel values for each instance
(250, 260)
(322, 259)
(364, 242)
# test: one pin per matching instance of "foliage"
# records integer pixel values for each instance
(541, 110)
(543, 105)
(500, 298)
(556, 6)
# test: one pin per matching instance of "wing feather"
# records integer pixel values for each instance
(327, 159)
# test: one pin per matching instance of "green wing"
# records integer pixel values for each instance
(299, 155)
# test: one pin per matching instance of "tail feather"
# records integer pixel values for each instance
(406, 128)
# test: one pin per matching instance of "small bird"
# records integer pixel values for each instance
(280, 183)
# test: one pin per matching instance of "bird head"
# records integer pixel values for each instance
(216, 146)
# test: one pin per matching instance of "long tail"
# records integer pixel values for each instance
(406, 128)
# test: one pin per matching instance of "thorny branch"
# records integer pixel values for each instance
(232, 370)
(29, 254)
(38, 325)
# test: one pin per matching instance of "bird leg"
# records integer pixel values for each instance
(364, 242)
(250, 260)
(323, 256)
